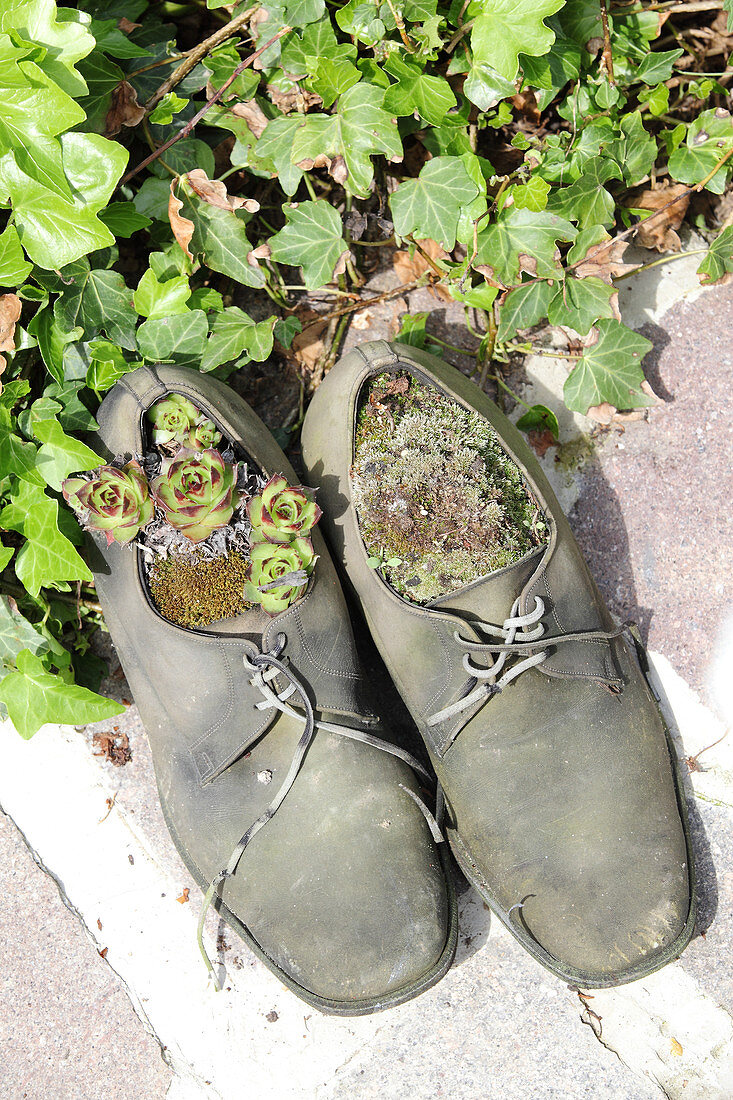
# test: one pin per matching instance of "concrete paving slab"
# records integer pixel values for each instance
(67, 1027)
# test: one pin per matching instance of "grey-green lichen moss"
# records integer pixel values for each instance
(439, 501)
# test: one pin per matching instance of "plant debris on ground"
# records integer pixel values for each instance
(439, 501)
(212, 185)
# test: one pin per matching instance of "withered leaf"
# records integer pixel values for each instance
(412, 267)
(184, 895)
(660, 232)
(605, 261)
(253, 115)
(215, 193)
(294, 99)
(124, 109)
(10, 307)
(182, 227)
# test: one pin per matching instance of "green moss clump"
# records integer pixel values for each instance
(439, 501)
(193, 591)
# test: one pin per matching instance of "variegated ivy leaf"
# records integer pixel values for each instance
(707, 141)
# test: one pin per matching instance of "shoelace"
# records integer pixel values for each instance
(266, 666)
(493, 679)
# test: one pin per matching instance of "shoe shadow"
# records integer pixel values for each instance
(598, 523)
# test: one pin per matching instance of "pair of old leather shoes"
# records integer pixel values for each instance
(313, 831)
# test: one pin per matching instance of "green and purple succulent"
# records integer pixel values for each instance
(116, 501)
(172, 419)
(278, 574)
(203, 435)
(281, 513)
(196, 493)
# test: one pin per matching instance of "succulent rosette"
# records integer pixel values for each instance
(203, 435)
(278, 574)
(196, 494)
(281, 513)
(172, 418)
(115, 501)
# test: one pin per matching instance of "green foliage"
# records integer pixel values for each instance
(418, 113)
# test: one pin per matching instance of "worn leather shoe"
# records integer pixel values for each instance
(281, 791)
(564, 802)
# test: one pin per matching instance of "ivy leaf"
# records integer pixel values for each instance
(586, 200)
(123, 219)
(361, 19)
(16, 633)
(579, 303)
(332, 77)
(34, 697)
(485, 87)
(302, 53)
(52, 339)
(107, 366)
(523, 240)
(430, 205)
(635, 150)
(360, 128)
(531, 195)
(233, 333)
(34, 111)
(275, 149)
(99, 301)
(609, 371)
(313, 240)
(181, 338)
(102, 76)
(62, 31)
(74, 416)
(538, 418)
(549, 74)
(430, 96)
(47, 557)
(154, 299)
(61, 454)
(169, 106)
(708, 139)
(524, 307)
(53, 230)
(14, 268)
(111, 40)
(17, 457)
(719, 260)
(220, 236)
(656, 67)
(506, 28)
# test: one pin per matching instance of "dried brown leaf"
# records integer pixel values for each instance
(126, 26)
(412, 267)
(215, 193)
(295, 99)
(660, 233)
(605, 261)
(262, 252)
(541, 441)
(675, 1046)
(124, 109)
(184, 897)
(182, 227)
(253, 115)
(10, 307)
(113, 746)
(603, 413)
(307, 346)
(526, 104)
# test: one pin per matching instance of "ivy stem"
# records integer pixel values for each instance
(607, 53)
(486, 350)
(151, 142)
(364, 303)
(195, 55)
(632, 229)
(63, 597)
(186, 130)
(502, 383)
(309, 186)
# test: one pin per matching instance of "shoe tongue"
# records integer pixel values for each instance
(490, 599)
(251, 623)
